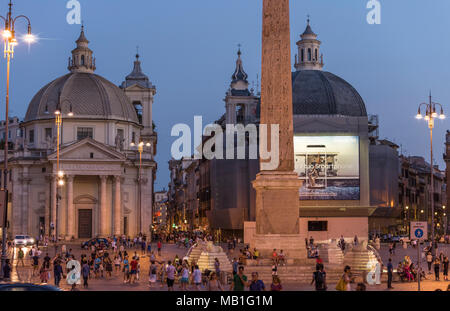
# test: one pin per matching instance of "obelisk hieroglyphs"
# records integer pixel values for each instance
(277, 191)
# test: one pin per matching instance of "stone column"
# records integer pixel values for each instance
(103, 207)
(53, 202)
(277, 191)
(117, 206)
(70, 208)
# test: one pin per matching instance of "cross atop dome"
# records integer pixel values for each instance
(82, 60)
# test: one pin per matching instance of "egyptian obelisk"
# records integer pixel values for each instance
(277, 191)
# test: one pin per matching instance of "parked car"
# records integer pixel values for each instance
(23, 240)
(27, 287)
(96, 241)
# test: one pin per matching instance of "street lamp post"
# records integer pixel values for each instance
(60, 174)
(140, 147)
(10, 41)
(430, 115)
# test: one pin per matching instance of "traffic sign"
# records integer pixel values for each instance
(419, 230)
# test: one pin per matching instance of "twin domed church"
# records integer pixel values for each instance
(106, 155)
(108, 144)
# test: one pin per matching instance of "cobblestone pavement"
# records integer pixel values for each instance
(115, 283)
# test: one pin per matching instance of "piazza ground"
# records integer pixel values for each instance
(115, 283)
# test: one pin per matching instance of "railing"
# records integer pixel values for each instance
(375, 252)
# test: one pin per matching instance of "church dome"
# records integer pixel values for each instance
(87, 95)
(321, 92)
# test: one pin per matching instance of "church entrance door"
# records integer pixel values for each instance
(84, 223)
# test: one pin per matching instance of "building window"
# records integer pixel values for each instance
(316, 55)
(82, 60)
(309, 55)
(85, 132)
(48, 133)
(9, 134)
(31, 136)
(302, 55)
(317, 225)
(133, 137)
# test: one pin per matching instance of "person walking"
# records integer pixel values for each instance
(319, 278)
(213, 283)
(159, 245)
(445, 268)
(184, 277)
(152, 274)
(344, 283)
(197, 277)
(390, 270)
(126, 270)
(20, 256)
(239, 281)
(170, 276)
(217, 267)
(57, 272)
(35, 261)
(276, 284)
(437, 264)
(85, 270)
(429, 261)
(256, 285)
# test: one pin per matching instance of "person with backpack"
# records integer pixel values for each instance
(319, 278)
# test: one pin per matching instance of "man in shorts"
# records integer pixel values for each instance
(170, 276)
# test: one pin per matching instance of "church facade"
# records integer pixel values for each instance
(104, 183)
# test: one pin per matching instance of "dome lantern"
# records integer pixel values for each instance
(82, 60)
(308, 51)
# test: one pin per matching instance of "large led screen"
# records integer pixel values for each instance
(328, 166)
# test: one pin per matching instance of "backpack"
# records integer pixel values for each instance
(320, 279)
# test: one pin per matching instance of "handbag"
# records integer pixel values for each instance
(341, 286)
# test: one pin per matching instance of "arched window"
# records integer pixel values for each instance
(309, 55)
(316, 58)
(302, 55)
(82, 60)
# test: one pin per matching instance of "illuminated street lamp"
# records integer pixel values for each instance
(10, 41)
(430, 115)
(60, 174)
(140, 147)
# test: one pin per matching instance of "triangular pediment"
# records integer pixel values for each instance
(88, 149)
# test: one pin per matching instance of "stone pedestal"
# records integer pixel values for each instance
(277, 214)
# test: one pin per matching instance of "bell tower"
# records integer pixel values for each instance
(141, 91)
(241, 104)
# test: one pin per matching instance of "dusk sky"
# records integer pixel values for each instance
(188, 50)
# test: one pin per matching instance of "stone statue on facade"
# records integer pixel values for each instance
(119, 142)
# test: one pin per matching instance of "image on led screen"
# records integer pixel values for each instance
(328, 166)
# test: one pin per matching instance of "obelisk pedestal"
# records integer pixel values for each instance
(277, 190)
(277, 214)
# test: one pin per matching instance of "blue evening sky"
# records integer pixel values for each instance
(188, 49)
